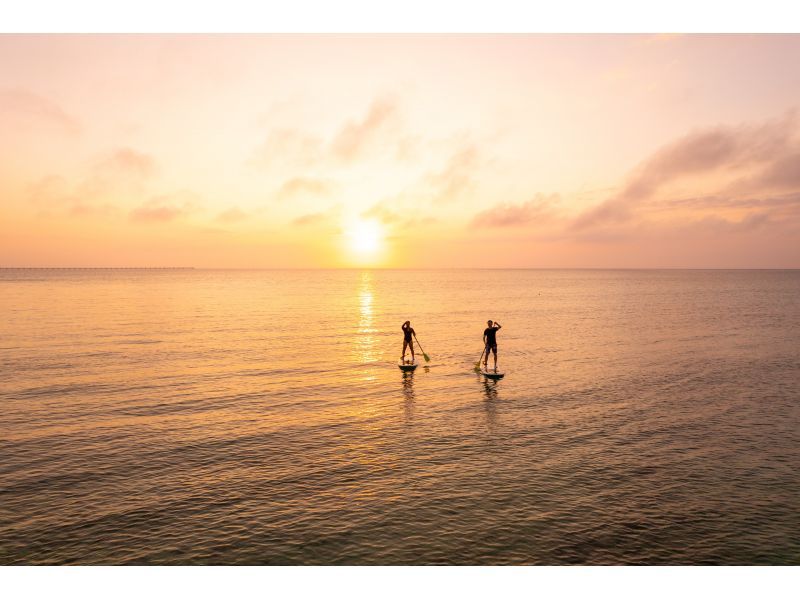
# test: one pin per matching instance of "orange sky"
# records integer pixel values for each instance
(402, 151)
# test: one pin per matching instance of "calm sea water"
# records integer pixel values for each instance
(259, 417)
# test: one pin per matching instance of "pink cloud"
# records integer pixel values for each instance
(456, 177)
(354, 137)
(165, 208)
(307, 219)
(755, 159)
(20, 103)
(538, 209)
(130, 162)
(304, 185)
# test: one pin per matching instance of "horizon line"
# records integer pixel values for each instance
(389, 268)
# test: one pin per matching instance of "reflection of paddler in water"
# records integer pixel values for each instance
(408, 340)
(490, 402)
(408, 385)
(490, 389)
(408, 395)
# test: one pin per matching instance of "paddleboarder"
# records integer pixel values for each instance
(408, 341)
(490, 342)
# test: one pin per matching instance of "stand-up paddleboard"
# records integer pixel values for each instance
(407, 366)
(492, 374)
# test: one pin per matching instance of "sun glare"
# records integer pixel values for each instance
(364, 237)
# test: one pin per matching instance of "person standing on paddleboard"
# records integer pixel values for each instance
(490, 340)
(408, 333)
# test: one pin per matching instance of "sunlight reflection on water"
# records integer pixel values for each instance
(260, 417)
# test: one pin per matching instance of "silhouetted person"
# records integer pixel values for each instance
(490, 340)
(408, 333)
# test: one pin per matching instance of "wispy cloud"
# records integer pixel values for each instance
(294, 148)
(165, 208)
(126, 160)
(304, 186)
(397, 219)
(119, 175)
(381, 211)
(457, 175)
(313, 218)
(750, 158)
(54, 195)
(538, 209)
(21, 103)
(288, 148)
(356, 136)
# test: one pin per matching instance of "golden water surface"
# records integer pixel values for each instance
(259, 417)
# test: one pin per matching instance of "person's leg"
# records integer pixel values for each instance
(494, 350)
(411, 345)
(486, 355)
(405, 344)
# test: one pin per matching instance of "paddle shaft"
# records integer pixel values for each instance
(478, 363)
(425, 355)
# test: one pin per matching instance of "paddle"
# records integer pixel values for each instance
(478, 363)
(424, 354)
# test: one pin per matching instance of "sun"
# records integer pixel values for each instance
(365, 237)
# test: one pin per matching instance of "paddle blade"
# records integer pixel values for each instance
(425, 355)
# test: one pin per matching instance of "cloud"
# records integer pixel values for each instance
(355, 137)
(288, 148)
(710, 150)
(53, 194)
(750, 158)
(327, 218)
(20, 103)
(382, 212)
(306, 219)
(304, 186)
(116, 176)
(716, 224)
(165, 208)
(789, 201)
(456, 177)
(782, 173)
(414, 222)
(509, 214)
(127, 161)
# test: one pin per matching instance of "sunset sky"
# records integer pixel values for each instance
(400, 151)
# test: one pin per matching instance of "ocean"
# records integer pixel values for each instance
(259, 417)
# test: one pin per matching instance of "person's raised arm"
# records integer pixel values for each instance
(497, 325)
